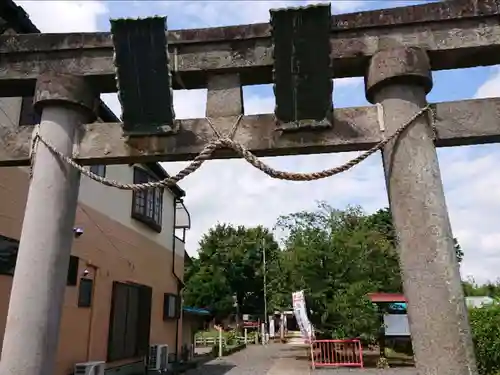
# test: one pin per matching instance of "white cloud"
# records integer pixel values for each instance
(490, 88)
(64, 16)
(473, 198)
(223, 13)
(340, 6)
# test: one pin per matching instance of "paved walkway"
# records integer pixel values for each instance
(279, 359)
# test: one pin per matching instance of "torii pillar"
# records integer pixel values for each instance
(399, 80)
(32, 330)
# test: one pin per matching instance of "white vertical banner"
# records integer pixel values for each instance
(271, 326)
(300, 312)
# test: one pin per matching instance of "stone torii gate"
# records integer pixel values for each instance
(299, 51)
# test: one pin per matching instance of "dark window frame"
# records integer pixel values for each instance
(85, 292)
(129, 324)
(8, 255)
(9, 248)
(27, 115)
(98, 169)
(166, 306)
(147, 205)
(73, 267)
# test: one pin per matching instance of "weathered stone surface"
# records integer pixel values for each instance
(456, 34)
(437, 315)
(459, 123)
(402, 65)
(61, 89)
(224, 95)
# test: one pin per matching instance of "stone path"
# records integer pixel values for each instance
(279, 359)
(254, 360)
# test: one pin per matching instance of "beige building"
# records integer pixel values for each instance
(126, 269)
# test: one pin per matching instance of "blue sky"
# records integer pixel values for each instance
(232, 191)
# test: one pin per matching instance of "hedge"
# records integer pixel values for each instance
(485, 326)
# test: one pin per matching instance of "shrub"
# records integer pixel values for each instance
(251, 336)
(215, 349)
(231, 338)
(485, 326)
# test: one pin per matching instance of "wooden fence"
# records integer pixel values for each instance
(210, 341)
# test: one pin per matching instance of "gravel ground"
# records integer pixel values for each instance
(279, 359)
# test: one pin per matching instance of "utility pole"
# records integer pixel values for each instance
(265, 286)
(237, 306)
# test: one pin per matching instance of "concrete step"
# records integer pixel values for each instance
(296, 341)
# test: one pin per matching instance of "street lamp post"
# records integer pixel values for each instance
(265, 286)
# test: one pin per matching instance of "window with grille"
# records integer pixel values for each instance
(99, 170)
(147, 205)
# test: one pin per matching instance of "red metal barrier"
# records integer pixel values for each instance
(336, 353)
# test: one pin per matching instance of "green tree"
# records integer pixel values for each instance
(490, 289)
(209, 288)
(458, 251)
(338, 257)
(382, 222)
(230, 265)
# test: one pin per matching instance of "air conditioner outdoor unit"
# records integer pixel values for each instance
(158, 357)
(90, 368)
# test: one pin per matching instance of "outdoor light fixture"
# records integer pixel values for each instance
(77, 232)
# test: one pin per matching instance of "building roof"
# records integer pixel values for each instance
(478, 301)
(15, 17)
(195, 310)
(386, 297)
(400, 299)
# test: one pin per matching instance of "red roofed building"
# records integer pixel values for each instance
(387, 297)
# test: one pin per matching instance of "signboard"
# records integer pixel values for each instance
(396, 325)
(300, 312)
(251, 324)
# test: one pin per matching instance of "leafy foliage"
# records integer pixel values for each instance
(486, 335)
(338, 257)
(490, 289)
(230, 269)
(382, 222)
